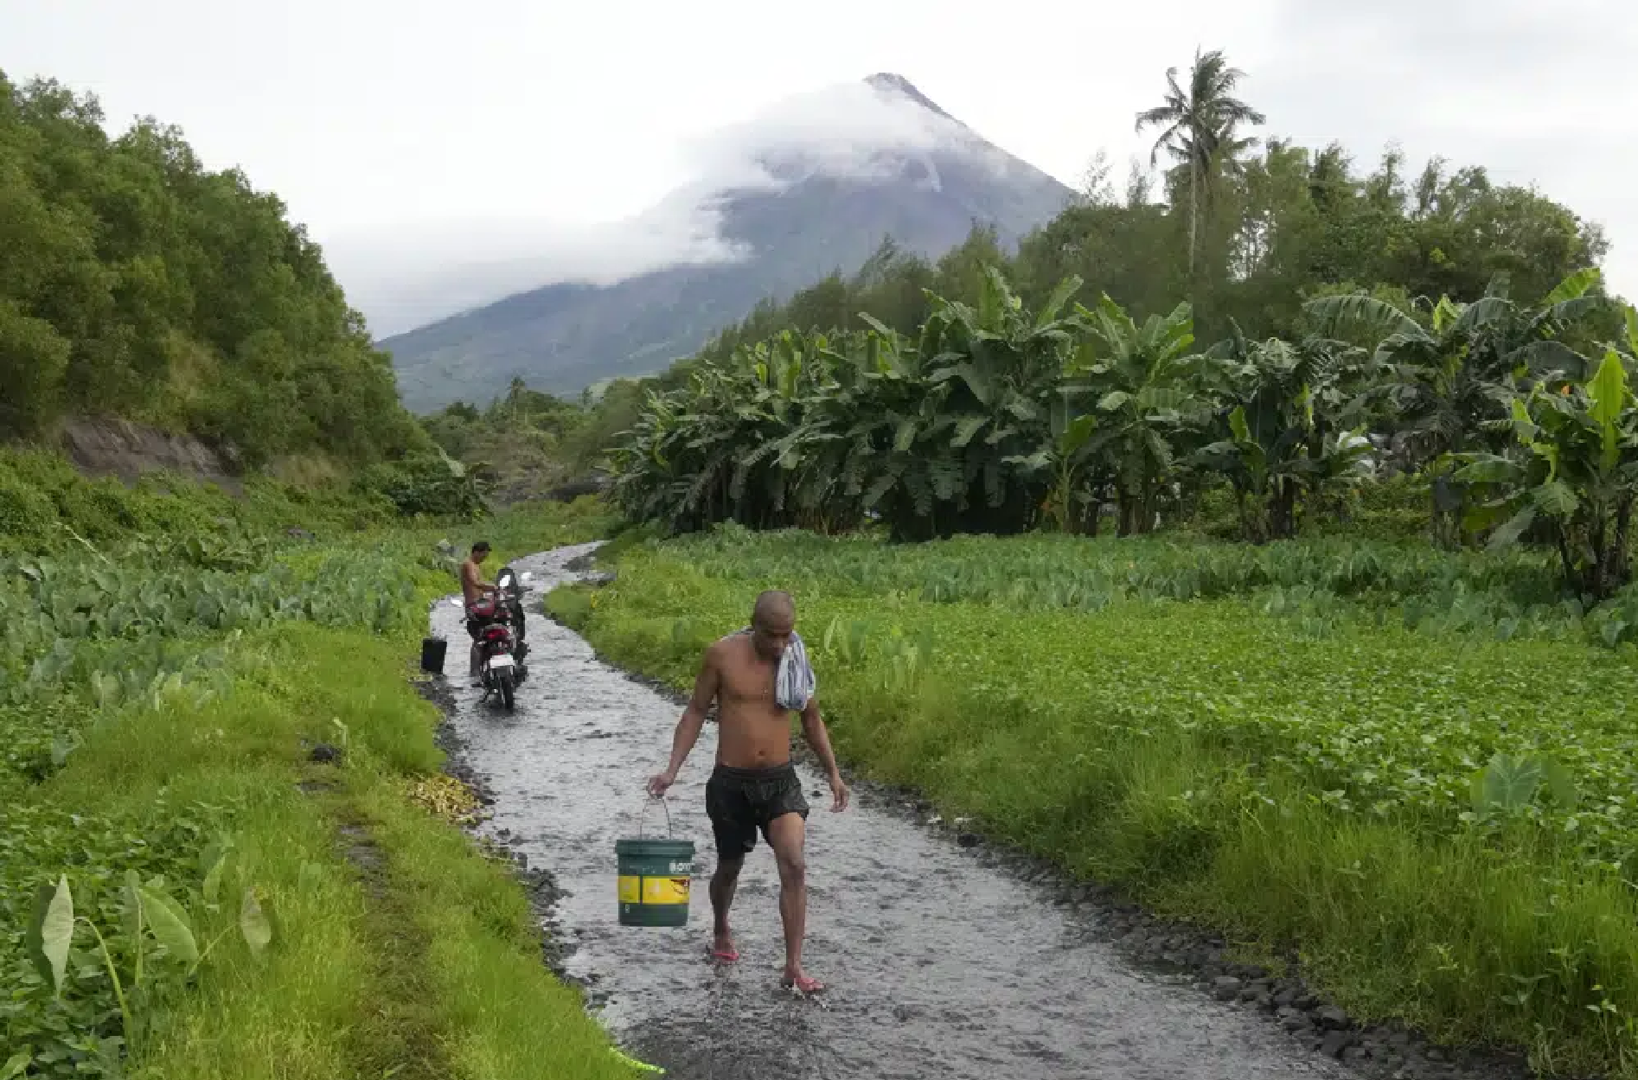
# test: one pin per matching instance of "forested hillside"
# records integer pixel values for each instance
(134, 282)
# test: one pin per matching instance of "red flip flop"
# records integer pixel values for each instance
(805, 985)
(726, 957)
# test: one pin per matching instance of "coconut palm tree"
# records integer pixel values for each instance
(1200, 127)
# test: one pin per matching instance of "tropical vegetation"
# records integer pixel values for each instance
(186, 888)
(134, 282)
(1347, 680)
(996, 419)
(1367, 446)
(1408, 770)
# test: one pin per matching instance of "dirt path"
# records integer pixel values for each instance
(942, 964)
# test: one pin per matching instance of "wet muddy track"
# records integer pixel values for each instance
(943, 960)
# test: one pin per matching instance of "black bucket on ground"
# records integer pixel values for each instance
(432, 654)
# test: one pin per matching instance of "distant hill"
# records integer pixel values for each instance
(813, 218)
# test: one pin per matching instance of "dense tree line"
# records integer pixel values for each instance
(135, 282)
(528, 444)
(1337, 324)
(995, 418)
(1264, 226)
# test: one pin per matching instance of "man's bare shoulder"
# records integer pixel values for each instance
(726, 651)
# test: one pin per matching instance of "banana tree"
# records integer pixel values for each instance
(1075, 478)
(688, 458)
(794, 390)
(1576, 469)
(993, 371)
(1148, 392)
(644, 476)
(1449, 380)
(865, 422)
(1295, 425)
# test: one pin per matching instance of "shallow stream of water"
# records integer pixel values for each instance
(941, 964)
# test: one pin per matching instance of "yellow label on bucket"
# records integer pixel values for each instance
(662, 890)
(631, 890)
(653, 890)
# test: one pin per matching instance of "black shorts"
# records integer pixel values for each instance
(740, 802)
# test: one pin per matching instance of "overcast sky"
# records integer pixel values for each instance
(412, 137)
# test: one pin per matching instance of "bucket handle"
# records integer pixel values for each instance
(644, 814)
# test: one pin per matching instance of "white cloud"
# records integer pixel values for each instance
(839, 130)
(473, 151)
(408, 274)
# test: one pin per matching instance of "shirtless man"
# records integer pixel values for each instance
(754, 785)
(473, 587)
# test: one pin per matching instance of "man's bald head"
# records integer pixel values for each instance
(774, 609)
(773, 620)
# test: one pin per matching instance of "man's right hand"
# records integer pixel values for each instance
(658, 785)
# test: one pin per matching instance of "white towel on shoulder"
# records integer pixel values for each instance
(795, 682)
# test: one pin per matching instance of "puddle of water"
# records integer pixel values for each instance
(939, 965)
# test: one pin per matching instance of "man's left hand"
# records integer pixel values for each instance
(838, 789)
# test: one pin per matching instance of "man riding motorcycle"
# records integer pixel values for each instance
(474, 588)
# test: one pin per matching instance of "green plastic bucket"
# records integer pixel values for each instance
(654, 877)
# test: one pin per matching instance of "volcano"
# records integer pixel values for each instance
(807, 191)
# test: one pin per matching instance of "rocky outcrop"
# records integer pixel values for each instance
(106, 447)
(595, 484)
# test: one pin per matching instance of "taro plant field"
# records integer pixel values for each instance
(103, 915)
(1351, 679)
(174, 897)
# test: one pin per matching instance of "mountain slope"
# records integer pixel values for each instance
(819, 201)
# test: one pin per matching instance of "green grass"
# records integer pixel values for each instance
(505, 1014)
(523, 530)
(399, 948)
(1315, 581)
(1289, 775)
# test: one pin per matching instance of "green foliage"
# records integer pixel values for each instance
(1506, 596)
(27, 515)
(429, 485)
(152, 703)
(87, 970)
(134, 282)
(130, 632)
(154, 945)
(47, 507)
(934, 436)
(990, 415)
(1275, 228)
(1288, 429)
(529, 445)
(89, 641)
(1303, 742)
(1577, 471)
(997, 420)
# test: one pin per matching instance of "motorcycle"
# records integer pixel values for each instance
(511, 586)
(496, 621)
